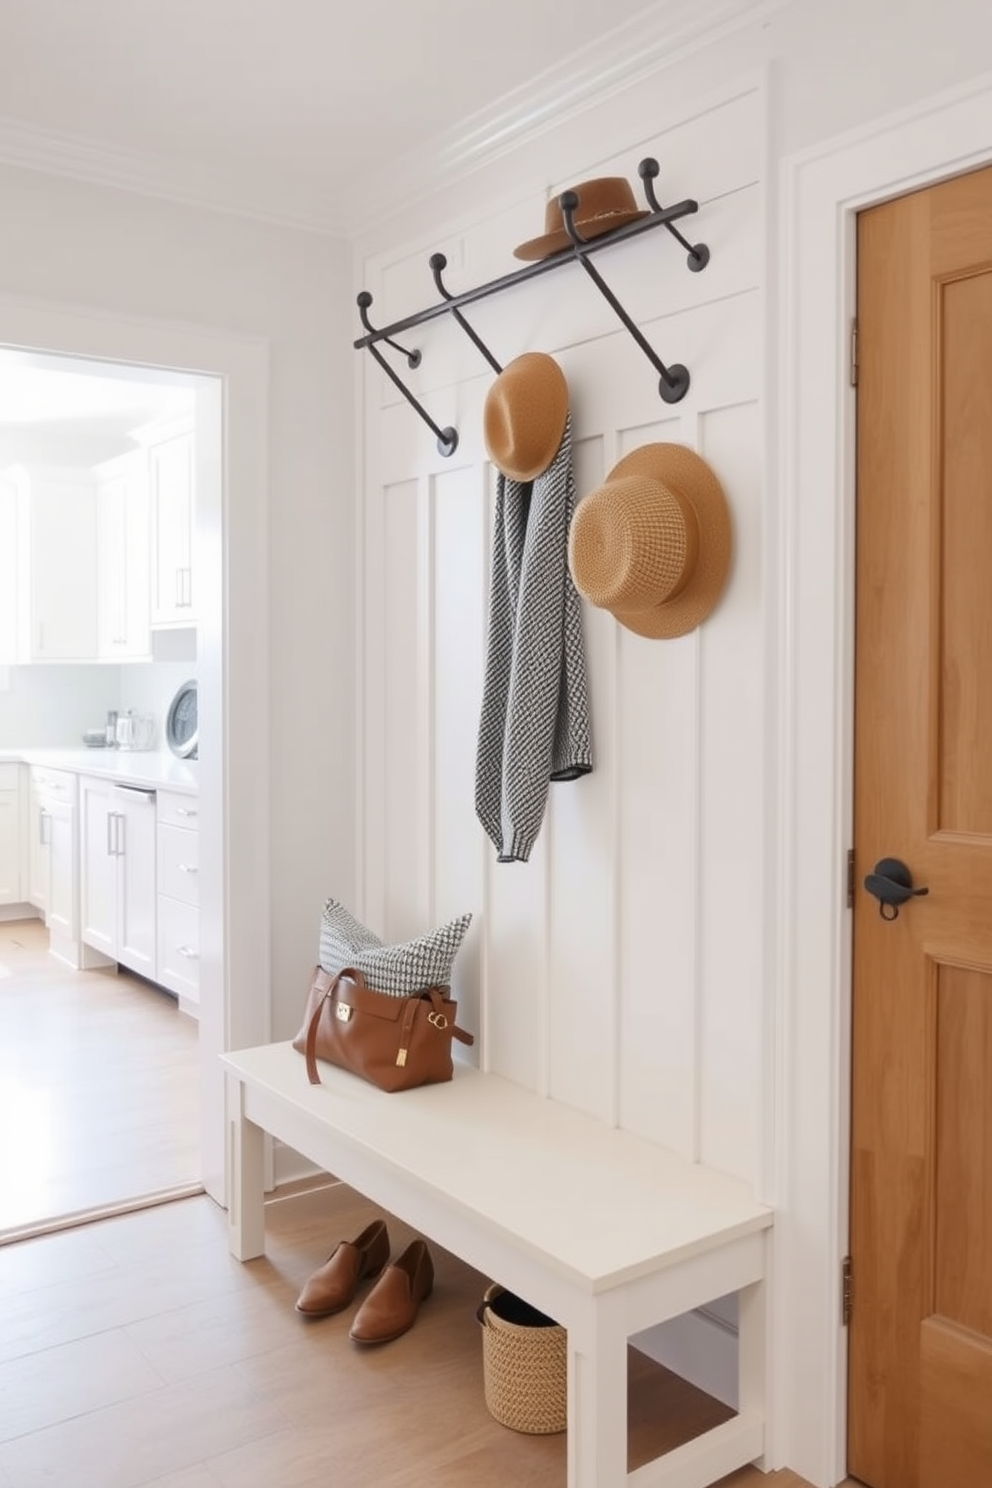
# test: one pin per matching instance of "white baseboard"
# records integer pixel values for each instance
(289, 1167)
(19, 912)
(700, 1346)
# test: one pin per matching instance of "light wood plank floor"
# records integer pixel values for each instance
(99, 1085)
(136, 1351)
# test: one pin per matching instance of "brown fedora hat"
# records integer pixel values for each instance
(525, 414)
(652, 544)
(604, 203)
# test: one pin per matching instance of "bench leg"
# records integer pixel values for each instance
(246, 1179)
(597, 1409)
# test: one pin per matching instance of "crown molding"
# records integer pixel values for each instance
(582, 79)
(188, 184)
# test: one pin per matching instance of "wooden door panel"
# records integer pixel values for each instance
(963, 1137)
(965, 782)
(956, 1421)
(920, 1376)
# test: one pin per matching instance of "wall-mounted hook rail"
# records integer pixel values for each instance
(674, 380)
(438, 264)
(447, 438)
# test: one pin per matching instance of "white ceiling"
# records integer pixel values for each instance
(309, 111)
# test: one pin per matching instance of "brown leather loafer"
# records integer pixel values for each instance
(333, 1285)
(391, 1306)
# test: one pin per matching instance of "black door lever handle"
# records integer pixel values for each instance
(891, 883)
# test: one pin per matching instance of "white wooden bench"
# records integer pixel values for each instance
(605, 1232)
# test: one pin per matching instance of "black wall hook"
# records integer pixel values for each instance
(438, 264)
(699, 255)
(673, 381)
(447, 438)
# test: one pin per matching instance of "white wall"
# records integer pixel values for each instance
(67, 243)
(650, 915)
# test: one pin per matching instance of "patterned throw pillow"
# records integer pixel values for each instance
(400, 970)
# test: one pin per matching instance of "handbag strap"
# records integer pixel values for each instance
(438, 1009)
(349, 973)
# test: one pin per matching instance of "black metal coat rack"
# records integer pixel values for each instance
(673, 383)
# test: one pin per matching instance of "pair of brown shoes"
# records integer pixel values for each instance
(391, 1307)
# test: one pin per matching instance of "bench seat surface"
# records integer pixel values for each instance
(597, 1204)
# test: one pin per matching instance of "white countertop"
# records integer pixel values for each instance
(145, 768)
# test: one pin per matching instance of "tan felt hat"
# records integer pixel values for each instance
(525, 414)
(604, 203)
(652, 544)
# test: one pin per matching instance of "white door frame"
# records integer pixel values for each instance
(232, 663)
(821, 193)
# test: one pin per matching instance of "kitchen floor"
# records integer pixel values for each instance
(99, 1086)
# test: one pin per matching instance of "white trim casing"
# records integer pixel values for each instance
(233, 665)
(822, 191)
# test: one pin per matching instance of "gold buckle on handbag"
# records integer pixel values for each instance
(438, 1019)
(343, 1012)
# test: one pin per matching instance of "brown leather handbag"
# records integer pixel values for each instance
(395, 1043)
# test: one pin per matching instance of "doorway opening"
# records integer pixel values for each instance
(109, 481)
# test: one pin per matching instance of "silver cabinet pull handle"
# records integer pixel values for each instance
(187, 868)
(188, 952)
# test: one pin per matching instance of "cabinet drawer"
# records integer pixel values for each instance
(179, 863)
(178, 810)
(58, 785)
(179, 947)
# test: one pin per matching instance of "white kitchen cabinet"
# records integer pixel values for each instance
(179, 898)
(48, 538)
(172, 504)
(123, 562)
(52, 858)
(117, 872)
(10, 834)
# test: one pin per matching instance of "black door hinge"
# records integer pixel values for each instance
(846, 1290)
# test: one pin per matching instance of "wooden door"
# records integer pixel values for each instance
(920, 1374)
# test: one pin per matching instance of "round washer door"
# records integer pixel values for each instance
(181, 727)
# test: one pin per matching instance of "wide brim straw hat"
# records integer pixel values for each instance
(524, 417)
(652, 544)
(605, 203)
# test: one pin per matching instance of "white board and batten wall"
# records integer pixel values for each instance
(620, 970)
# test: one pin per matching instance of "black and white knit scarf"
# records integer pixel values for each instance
(535, 712)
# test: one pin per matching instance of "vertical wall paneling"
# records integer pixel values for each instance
(620, 970)
(582, 845)
(459, 536)
(657, 793)
(403, 671)
(372, 817)
(732, 813)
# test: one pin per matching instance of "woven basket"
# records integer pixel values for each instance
(524, 1363)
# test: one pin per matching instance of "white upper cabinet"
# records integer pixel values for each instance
(123, 567)
(172, 498)
(48, 579)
